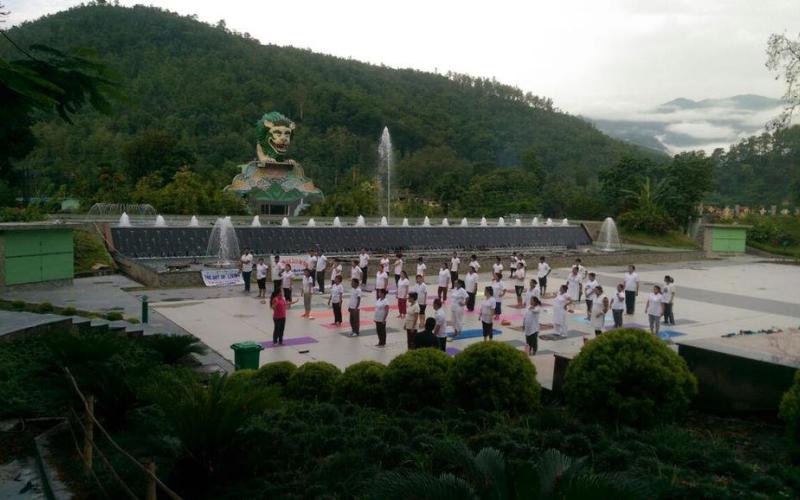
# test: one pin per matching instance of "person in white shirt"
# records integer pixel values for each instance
(458, 300)
(588, 290)
(521, 260)
(311, 264)
(354, 308)
(533, 291)
(655, 309)
(261, 278)
(498, 292)
(560, 304)
(631, 280)
(411, 320)
(322, 264)
(440, 330)
(473, 263)
(519, 282)
(574, 284)
(363, 263)
(384, 262)
(336, 270)
(599, 310)
(335, 300)
(286, 284)
(308, 291)
(402, 294)
(668, 294)
(487, 313)
(355, 271)
(471, 286)
(454, 262)
(381, 313)
(582, 273)
(275, 271)
(398, 267)
(421, 289)
(381, 280)
(542, 274)
(497, 267)
(442, 282)
(618, 305)
(513, 264)
(247, 268)
(530, 325)
(421, 267)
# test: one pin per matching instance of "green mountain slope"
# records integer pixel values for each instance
(195, 91)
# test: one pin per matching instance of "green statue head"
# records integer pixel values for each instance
(274, 134)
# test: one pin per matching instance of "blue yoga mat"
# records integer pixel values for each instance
(478, 332)
(668, 334)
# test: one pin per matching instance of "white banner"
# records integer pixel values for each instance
(222, 277)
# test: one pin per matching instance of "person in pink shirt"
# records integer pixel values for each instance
(278, 305)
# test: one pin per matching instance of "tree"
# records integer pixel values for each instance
(689, 178)
(783, 57)
(617, 182)
(154, 151)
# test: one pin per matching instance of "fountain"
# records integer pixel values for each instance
(385, 167)
(517, 222)
(464, 222)
(384, 221)
(483, 222)
(565, 222)
(535, 221)
(124, 220)
(501, 222)
(256, 222)
(311, 222)
(104, 209)
(285, 222)
(445, 222)
(337, 222)
(193, 222)
(608, 239)
(160, 222)
(223, 244)
(549, 222)
(405, 221)
(426, 221)
(360, 221)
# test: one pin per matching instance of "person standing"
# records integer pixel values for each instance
(440, 330)
(261, 278)
(384, 262)
(599, 310)
(402, 294)
(471, 286)
(473, 263)
(354, 308)
(427, 337)
(618, 305)
(631, 280)
(588, 289)
(335, 300)
(454, 263)
(275, 271)
(542, 274)
(668, 296)
(336, 270)
(356, 272)
(286, 284)
(487, 313)
(519, 282)
(421, 289)
(512, 267)
(582, 274)
(457, 302)
(574, 284)
(398, 267)
(655, 309)
(533, 291)
(308, 291)
(498, 292)
(443, 281)
(381, 280)
(311, 264)
(363, 263)
(530, 325)
(278, 305)
(411, 319)
(560, 304)
(421, 267)
(497, 267)
(247, 268)
(381, 313)
(322, 264)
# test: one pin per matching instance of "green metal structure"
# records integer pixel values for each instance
(35, 253)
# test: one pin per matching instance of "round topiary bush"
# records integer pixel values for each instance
(114, 316)
(629, 376)
(242, 376)
(416, 379)
(69, 311)
(790, 408)
(362, 384)
(44, 307)
(313, 381)
(493, 376)
(276, 373)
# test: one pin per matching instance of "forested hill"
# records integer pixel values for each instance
(205, 86)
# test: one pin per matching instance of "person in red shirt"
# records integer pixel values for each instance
(278, 305)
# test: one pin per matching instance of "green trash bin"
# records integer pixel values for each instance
(245, 355)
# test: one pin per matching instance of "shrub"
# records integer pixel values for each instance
(313, 381)
(30, 214)
(245, 377)
(114, 316)
(19, 305)
(653, 220)
(173, 348)
(790, 408)
(68, 311)
(362, 383)
(629, 376)
(44, 307)
(416, 379)
(276, 373)
(493, 376)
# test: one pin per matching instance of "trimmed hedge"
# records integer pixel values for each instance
(790, 408)
(362, 383)
(313, 381)
(416, 379)
(277, 373)
(629, 376)
(493, 376)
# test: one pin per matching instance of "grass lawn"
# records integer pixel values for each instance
(90, 250)
(673, 239)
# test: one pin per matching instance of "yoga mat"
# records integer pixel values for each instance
(570, 335)
(452, 351)
(346, 324)
(289, 342)
(585, 321)
(515, 343)
(477, 332)
(668, 334)
(542, 327)
(628, 325)
(367, 332)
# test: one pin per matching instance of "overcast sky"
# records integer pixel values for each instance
(593, 57)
